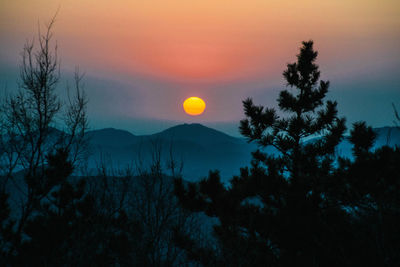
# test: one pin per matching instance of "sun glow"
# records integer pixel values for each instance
(194, 106)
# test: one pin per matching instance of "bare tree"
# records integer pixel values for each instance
(151, 201)
(35, 122)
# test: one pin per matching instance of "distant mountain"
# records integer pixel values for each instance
(199, 148)
(197, 133)
(111, 137)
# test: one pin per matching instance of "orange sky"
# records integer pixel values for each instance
(209, 44)
(205, 39)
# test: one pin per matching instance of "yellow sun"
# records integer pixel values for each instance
(194, 106)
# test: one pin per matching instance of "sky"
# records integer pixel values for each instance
(142, 59)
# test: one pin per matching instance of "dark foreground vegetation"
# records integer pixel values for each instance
(302, 206)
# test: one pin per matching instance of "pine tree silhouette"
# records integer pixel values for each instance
(70, 228)
(279, 211)
(371, 194)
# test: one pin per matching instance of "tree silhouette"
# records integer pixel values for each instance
(71, 229)
(152, 202)
(29, 136)
(280, 211)
(372, 183)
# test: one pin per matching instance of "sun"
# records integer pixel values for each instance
(194, 106)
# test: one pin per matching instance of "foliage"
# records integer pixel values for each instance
(370, 186)
(69, 229)
(295, 208)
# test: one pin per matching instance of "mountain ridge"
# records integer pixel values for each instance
(200, 148)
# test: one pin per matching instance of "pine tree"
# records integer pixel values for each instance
(281, 211)
(371, 196)
(71, 227)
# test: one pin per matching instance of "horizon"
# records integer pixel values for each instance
(204, 125)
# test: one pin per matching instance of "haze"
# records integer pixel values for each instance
(143, 58)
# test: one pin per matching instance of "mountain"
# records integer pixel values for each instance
(111, 137)
(197, 133)
(199, 148)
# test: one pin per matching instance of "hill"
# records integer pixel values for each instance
(197, 147)
(111, 137)
(196, 133)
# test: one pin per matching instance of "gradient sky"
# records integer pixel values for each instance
(143, 58)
